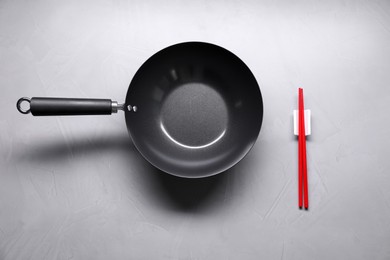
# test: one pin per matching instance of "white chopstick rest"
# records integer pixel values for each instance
(307, 122)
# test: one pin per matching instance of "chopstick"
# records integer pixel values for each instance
(305, 182)
(302, 163)
(300, 169)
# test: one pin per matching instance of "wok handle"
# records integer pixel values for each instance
(40, 106)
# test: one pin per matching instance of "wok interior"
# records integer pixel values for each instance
(199, 109)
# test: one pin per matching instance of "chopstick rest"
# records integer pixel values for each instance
(307, 122)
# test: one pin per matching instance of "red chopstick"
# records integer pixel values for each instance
(302, 155)
(300, 169)
(305, 182)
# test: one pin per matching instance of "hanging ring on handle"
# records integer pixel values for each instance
(19, 103)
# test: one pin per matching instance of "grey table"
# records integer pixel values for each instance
(76, 188)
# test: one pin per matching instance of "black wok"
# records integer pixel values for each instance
(192, 109)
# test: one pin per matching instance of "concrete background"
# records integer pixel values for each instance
(76, 188)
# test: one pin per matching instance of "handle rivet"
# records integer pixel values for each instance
(132, 108)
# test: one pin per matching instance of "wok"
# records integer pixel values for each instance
(193, 109)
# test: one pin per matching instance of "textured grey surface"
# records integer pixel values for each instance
(76, 188)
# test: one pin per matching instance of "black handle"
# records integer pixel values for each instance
(40, 106)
